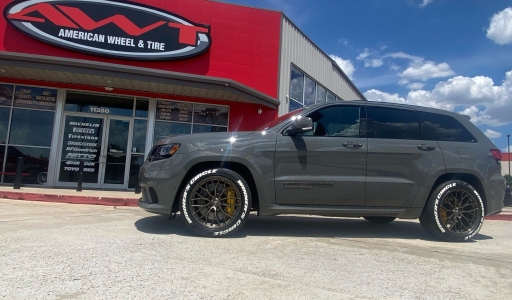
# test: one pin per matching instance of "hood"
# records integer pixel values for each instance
(217, 136)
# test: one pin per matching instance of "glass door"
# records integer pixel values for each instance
(114, 158)
(82, 141)
(101, 142)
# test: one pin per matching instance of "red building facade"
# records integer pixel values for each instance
(104, 80)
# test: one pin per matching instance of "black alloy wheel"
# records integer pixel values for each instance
(454, 212)
(216, 202)
(459, 212)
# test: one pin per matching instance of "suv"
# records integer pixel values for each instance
(379, 161)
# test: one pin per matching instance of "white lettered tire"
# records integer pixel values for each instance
(454, 212)
(215, 202)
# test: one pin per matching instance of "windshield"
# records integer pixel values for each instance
(280, 119)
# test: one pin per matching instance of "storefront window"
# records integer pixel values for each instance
(139, 136)
(189, 118)
(4, 123)
(164, 129)
(294, 105)
(31, 127)
(6, 94)
(331, 97)
(35, 164)
(141, 108)
(321, 93)
(136, 161)
(99, 104)
(210, 114)
(297, 86)
(205, 128)
(309, 91)
(35, 97)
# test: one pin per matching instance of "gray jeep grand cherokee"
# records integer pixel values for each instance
(379, 161)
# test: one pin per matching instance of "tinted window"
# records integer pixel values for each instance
(139, 136)
(340, 121)
(4, 123)
(31, 127)
(141, 108)
(445, 128)
(389, 123)
(164, 129)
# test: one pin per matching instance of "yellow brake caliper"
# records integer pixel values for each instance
(444, 217)
(231, 201)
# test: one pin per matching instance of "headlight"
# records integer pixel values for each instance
(163, 151)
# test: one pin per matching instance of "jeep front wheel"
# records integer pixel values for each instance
(454, 212)
(215, 202)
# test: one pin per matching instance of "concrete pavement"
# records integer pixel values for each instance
(62, 251)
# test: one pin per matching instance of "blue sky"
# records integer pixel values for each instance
(450, 54)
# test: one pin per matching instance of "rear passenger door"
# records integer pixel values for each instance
(399, 159)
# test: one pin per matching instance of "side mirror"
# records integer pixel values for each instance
(300, 125)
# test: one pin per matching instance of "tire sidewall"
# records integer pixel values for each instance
(439, 195)
(241, 216)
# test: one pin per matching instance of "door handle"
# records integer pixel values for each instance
(424, 147)
(352, 145)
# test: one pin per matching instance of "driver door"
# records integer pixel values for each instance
(326, 166)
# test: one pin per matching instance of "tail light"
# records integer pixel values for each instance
(496, 154)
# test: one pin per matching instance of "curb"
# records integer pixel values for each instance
(499, 217)
(108, 201)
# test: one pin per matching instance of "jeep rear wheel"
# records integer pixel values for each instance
(215, 202)
(454, 212)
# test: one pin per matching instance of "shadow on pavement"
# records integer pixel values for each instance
(302, 226)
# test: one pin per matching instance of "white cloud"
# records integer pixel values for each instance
(492, 134)
(366, 52)
(345, 65)
(344, 42)
(419, 69)
(500, 28)
(426, 2)
(478, 97)
(370, 58)
(415, 86)
(427, 71)
(374, 63)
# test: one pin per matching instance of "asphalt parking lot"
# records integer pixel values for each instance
(69, 251)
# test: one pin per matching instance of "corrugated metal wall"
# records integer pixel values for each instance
(298, 50)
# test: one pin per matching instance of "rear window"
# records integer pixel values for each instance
(390, 123)
(445, 128)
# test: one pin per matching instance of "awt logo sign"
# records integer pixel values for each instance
(110, 28)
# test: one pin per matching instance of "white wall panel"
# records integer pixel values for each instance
(298, 50)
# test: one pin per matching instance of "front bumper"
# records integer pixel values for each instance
(160, 182)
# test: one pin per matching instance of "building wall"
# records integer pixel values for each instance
(300, 51)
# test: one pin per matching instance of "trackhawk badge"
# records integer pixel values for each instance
(110, 28)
